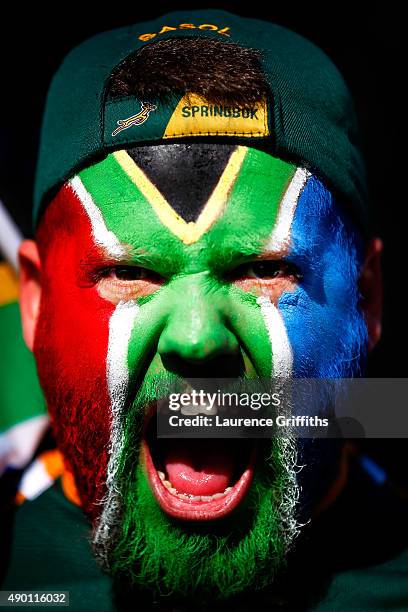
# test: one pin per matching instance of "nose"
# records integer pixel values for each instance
(196, 331)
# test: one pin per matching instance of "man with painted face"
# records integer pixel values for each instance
(200, 211)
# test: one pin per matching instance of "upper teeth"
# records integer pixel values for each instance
(193, 409)
(207, 409)
(189, 496)
(190, 410)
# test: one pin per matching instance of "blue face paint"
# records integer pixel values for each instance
(324, 324)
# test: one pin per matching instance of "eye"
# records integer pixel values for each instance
(268, 269)
(132, 273)
(126, 282)
(128, 273)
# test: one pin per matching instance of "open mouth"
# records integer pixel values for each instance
(197, 479)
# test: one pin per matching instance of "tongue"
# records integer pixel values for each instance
(199, 469)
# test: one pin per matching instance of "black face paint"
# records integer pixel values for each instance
(185, 174)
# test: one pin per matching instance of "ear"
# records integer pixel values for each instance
(30, 289)
(371, 291)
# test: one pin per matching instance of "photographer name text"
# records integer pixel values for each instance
(200, 420)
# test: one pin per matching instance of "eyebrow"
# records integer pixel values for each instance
(278, 253)
(98, 255)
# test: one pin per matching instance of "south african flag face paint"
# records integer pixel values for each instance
(174, 261)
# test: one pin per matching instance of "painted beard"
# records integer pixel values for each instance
(142, 547)
(138, 543)
(99, 430)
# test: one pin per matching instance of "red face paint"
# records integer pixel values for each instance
(71, 344)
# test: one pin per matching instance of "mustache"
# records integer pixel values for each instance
(145, 392)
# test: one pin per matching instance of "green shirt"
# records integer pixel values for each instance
(51, 551)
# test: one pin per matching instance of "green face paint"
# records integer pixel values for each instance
(189, 312)
(183, 303)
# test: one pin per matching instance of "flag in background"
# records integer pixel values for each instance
(23, 418)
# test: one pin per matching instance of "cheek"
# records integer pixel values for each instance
(246, 321)
(77, 325)
(71, 347)
(272, 289)
(76, 317)
(320, 332)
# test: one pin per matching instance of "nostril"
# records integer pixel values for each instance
(222, 366)
(193, 352)
(197, 343)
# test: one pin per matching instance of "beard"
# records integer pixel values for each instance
(141, 546)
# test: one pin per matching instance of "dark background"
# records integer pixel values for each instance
(365, 41)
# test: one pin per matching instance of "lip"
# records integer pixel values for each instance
(195, 510)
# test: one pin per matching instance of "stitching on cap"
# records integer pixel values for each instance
(178, 135)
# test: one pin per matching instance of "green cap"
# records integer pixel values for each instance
(308, 118)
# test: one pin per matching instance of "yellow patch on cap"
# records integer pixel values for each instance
(194, 116)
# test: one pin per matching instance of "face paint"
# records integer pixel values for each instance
(325, 245)
(200, 307)
(328, 293)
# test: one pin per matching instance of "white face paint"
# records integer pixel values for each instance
(279, 239)
(279, 242)
(282, 353)
(120, 328)
(281, 349)
(102, 236)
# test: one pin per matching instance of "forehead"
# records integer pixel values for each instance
(180, 200)
(180, 195)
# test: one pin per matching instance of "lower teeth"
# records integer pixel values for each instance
(189, 496)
